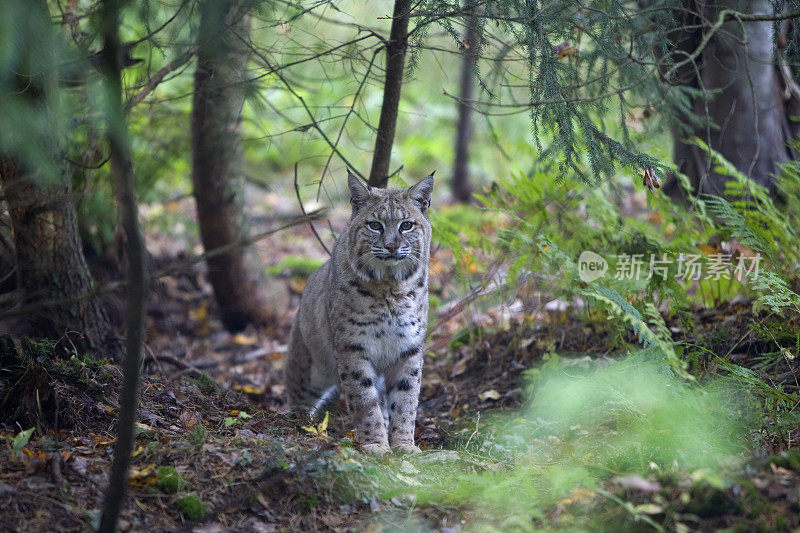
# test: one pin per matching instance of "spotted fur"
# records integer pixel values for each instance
(364, 314)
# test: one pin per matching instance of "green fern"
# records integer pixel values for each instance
(737, 225)
(659, 340)
(776, 294)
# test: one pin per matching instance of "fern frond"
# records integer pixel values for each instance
(659, 340)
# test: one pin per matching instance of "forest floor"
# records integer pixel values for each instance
(218, 449)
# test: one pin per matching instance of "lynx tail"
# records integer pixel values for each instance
(330, 394)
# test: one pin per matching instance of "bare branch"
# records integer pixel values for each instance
(159, 76)
(303, 209)
(172, 269)
(302, 101)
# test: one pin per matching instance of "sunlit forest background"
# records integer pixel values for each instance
(614, 317)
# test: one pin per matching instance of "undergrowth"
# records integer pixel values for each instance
(689, 405)
(585, 434)
(663, 264)
(39, 389)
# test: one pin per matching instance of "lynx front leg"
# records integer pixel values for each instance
(402, 385)
(360, 388)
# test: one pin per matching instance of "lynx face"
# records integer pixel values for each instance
(392, 232)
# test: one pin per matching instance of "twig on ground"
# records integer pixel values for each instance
(477, 422)
(184, 366)
(155, 360)
(55, 469)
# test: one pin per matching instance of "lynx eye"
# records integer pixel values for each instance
(405, 226)
(375, 226)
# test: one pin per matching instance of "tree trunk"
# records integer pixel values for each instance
(217, 163)
(748, 114)
(51, 268)
(122, 175)
(460, 186)
(52, 274)
(395, 65)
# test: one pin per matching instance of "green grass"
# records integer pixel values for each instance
(294, 265)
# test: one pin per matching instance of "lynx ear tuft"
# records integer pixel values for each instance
(421, 192)
(359, 191)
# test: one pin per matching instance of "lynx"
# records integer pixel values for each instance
(363, 317)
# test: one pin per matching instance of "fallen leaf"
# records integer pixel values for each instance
(189, 419)
(460, 367)
(21, 440)
(229, 459)
(320, 429)
(524, 343)
(34, 461)
(243, 340)
(649, 508)
(297, 284)
(637, 482)
(578, 495)
(140, 427)
(489, 395)
(248, 389)
(263, 501)
(144, 476)
(201, 313)
(100, 440)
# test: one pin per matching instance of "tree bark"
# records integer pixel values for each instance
(217, 164)
(51, 268)
(748, 113)
(395, 66)
(460, 186)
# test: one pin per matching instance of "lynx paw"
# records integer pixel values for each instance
(406, 449)
(375, 449)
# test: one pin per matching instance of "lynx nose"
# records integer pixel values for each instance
(392, 247)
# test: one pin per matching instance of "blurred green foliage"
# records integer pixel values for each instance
(646, 414)
(632, 416)
(586, 426)
(294, 265)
